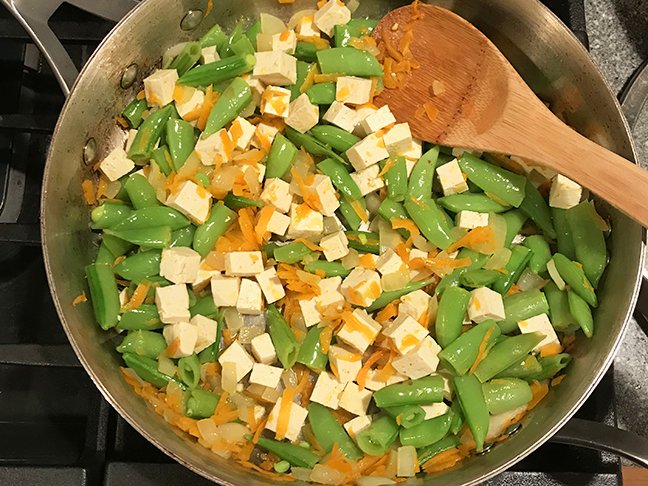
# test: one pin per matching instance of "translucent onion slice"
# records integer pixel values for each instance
(297, 16)
(498, 260)
(555, 276)
(530, 281)
(271, 24)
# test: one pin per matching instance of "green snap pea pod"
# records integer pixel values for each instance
(162, 158)
(407, 416)
(187, 58)
(423, 391)
(154, 237)
(451, 280)
(133, 112)
(182, 236)
(235, 97)
(143, 343)
(396, 179)
(243, 46)
(302, 71)
(469, 393)
(252, 31)
(139, 266)
(310, 350)
(457, 418)
(427, 432)
(226, 49)
(349, 214)
(454, 279)
(292, 252)
(204, 306)
(479, 278)
(269, 248)
(559, 313)
(282, 337)
(469, 201)
(181, 140)
(506, 185)
(238, 202)
(354, 28)
(521, 306)
(148, 134)
(312, 145)
(328, 431)
(550, 366)
(536, 208)
(564, 238)
(588, 239)
(321, 93)
(294, 454)
(340, 177)
(427, 453)
(431, 220)
(390, 210)
(218, 71)
(391, 295)
(460, 355)
(328, 269)
(348, 61)
(189, 370)
(116, 246)
(200, 403)
(376, 439)
(146, 369)
(220, 219)
(306, 51)
(281, 157)
(334, 137)
(145, 317)
(214, 37)
(364, 241)
(527, 368)
(211, 353)
(506, 394)
(581, 312)
(575, 277)
(520, 256)
(109, 214)
(540, 253)
(151, 217)
(140, 192)
(515, 220)
(420, 181)
(104, 256)
(103, 294)
(450, 315)
(506, 353)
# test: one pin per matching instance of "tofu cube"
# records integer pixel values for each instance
(310, 311)
(378, 120)
(190, 102)
(361, 287)
(564, 193)
(181, 339)
(225, 290)
(305, 222)
(416, 305)
(303, 115)
(243, 263)
(327, 390)
(277, 193)
(471, 219)
(237, 354)
(116, 164)
(419, 362)
(159, 87)
(191, 200)
(295, 422)
(329, 297)
(306, 27)
(374, 382)
(485, 304)
(398, 139)
(250, 300)
(129, 141)
(241, 132)
(368, 180)
(263, 349)
(278, 223)
(406, 333)
(406, 462)
(179, 264)
(362, 112)
(368, 151)
(345, 362)
(389, 262)
(206, 332)
(216, 148)
(173, 303)
(359, 330)
(331, 14)
(341, 116)
(355, 400)
(209, 54)
(321, 195)
(270, 285)
(357, 425)
(335, 246)
(541, 324)
(451, 178)
(275, 101)
(435, 410)
(277, 68)
(265, 375)
(353, 90)
(264, 135)
(285, 41)
(412, 154)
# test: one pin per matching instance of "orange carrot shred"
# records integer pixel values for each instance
(482, 348)
(361, 377)
(88, 192)
(539, 391)
(80, 299)
(137, 298)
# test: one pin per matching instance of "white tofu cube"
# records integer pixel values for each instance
(331, 14)
(416, 305)
(173, 303)
(275, 101)
(329, 297)
(361, 287)
(485, 304)
(265, 375)
(419, 362)
(278, 223)
(541, 324)
(357, 425)
(209, 54)
(129, 140)
(191, 200)
(341, 116)
(243, 263)
(398, 139)
(389, 262)
(368, 180)
(207, 329)
(277, 193)
(263, 349)
(435, 410)
(264, 136)
(366, 152)
(303, 115)
(216, 148)
(345, 362)
(412, 154)
(237, 354)
(306, 27)
(353, 90)
(406, 462)
(179, 264)
(305, 222)
(451, 178)
(225, 290)
(241, 132)
(378, 120)
(285, 41)
(327, 390)
(116, 164)
(276, 68)
(362, 112)
(297, 416)
(359, 330)
(321, 195)
(270, 285)
(250, 300)
(375, 383)
(355, 400)
(564, 193)
(190, 102)
(181, 339)
(406, 333)
(310, 311)
(159, 87)
(335, 246)
(471, 219)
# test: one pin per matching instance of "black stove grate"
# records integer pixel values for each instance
(55, 426)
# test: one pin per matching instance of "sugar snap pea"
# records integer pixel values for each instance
(146, 369)
(189, 370)
(575, 277)
(182, 236)
(103, 294)
(340, 177)
(520, 306)
(354, 28)
(376, 439)
(334, 137)
(281, 157)
(218, 71)
(133, 112)
(220, 219)
(536, 208)
(321, 93)
(348, 61)
(143, 343)
(181, 140)
(422, 176)
(152, 217)
(145, 317)
(153, 237)
(427, 453)
(431, 220)
(148, 134)
(187, 58)
(294, 454)
(328, 269)
(139, 266)
(468, 201)
(506, 185)
(473, 404)
(564, 238)
(427, 432)
(328, 431)
(282, 337)
(540, 253)
(460, 355)
(396, 179)
(391, 295)
(450, 315)
(310, 350)
(140, 192)
(588, 239)
(581, 312)
(109, 214)
(200, 403)
(506, 394)
(236, 96)
(506, 353)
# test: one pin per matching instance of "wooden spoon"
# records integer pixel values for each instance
(485, 105)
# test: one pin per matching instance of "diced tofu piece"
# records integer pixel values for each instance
(278, 223)
(327, 390)
(116, 164)
(366, 152)
(471, 219)
(265, 375)
(303, 115)
(357, 425)
(374, 383)
(243, 263)
(190, 102)
(412, 154)
(335, 246)
(451, 178)
(306, 27)
(277, 193)
(361, 287)
(331, 14)
(416, 305)
(276, 68)
(206, 331)
(241, 132)
(406, 462)
(434, 410)
(310, 311)
(359, 330)
(173, 303)
(341, 116)
(419, 362)
(191, 200)
(353, 90)
(180, 338)
(305, 222)
(405, 333)
(275, 101)
(296, 421)
(329, 297)
(378, 120)
(129, 140)
(264, 136)
(263, 349)
(159, 87)
(270, 285)
(250, 300)
(368, 179)
(209, 54)
(179, 264)
(216, 148)
(564, 193)
(362, 112)
(321, 195)
(354, 400)
(285, 41)
(237, 354)
(346, 362)
(398, 138)
(541, 324)
(225, 290)
(485, 304)
(389, 262)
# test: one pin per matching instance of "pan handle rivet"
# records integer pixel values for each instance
(513, 429)
(128, 76)
(191, 20)
(90, 151)
(488, 446)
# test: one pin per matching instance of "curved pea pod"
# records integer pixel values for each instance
(139, 266)
(182, 236)
(312, 145)
(116, 246)
(422, 176)
(303, 68)
(133, 112)
(588, 239)
(219, 221)
(581, 312)
(143, 343)
(321, 93)
(328, 269)
(515, 220)
(396, 179)
(310, 350)
(306, 51)
(340, 177)
(479, 278)
(343, 33)
(328, 431)
(153, 217)
(520, 306)
(239, 202)
(294, 454)
(550, 366)
(520, 256)
(187, 58)
(391, 295)
(422, 391)
(457, 418)
(506, 394)
(140, 192)
(460, 355)
(281, 157)
(292, 252)
(431, 220)
(469, 393)
(283, 338)
(407, 416)
(506, 353)
(427, 453)
(540, 253)
(364, 241)
(564, 238)
(200, 403)
(211, 353)
(204, 306)
(145, 317)
(348, 61)
(334, 137)
(149, 133)
(469, 201)
(189, 370)
(350, 214)
(104, 256)
(427, 432)
(561, 317)
(109, 214)
(524, 370)
(180, 139)
(536, 208)
(103, 294)
(376, 439)
(146, 369)
(154, 237)
(450, 315)
(218, 71)
(506, 185)
(235, 97)
(575, 277)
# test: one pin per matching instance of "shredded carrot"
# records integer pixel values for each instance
(259, 430)
(388, 370)
(312, 39)
(284, 413)
(515, 289)
(406, 224)
(286, 1)
(141, 95)
(359, 210)
(310, 79)
(367, 261)
(551, 349)
(308, 244)
(325, 339)
(431, 110)
(80, 298)
(269, 474)
(482, 348)
(326, 78)
(245, 221)
(475, 237)
(444, 460)
(88, 192)
(389, 47)
(558, 380)
(403, 252)
(137, 298)
(263, 218)
(210, 100)
(539, 391)
(388, 312)
(361, 377)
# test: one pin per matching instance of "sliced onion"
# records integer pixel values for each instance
(497, 424)
(289, 378)
(353, 5)
(112, 189)
(327, 475)
(166, 365)
(271, 24)
(233, 319)
(215, 260)
(171, 53)
(301, 473)
(233, 432)
(251, 177)
(208, 431)
(264, 42)
(498, 260)
(555, 276)
(497, 224)
(223, 180)
(228, 377)
(530, 281)
(395, 281)
(190, 166)
(297, 16)
(374, 481)
(332, 225)
(351, 260)
(252, 328)
(407, 463)
(157, 179)
(433, 308)
(389, 238)
(373, 202)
